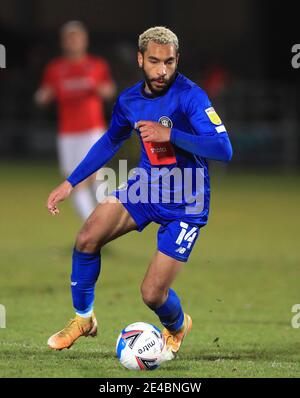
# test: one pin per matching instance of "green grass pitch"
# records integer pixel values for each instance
(239, 285)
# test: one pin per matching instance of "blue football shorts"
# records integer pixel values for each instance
(175, 238)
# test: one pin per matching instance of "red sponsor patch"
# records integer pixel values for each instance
(160, 153)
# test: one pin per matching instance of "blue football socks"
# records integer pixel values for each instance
(170, 313)
(85, 271)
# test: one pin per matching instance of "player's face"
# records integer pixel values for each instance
(74, 42)
(159, 64)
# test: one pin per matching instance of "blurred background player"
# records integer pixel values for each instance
(78, 82)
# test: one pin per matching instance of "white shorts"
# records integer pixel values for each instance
(72, 148)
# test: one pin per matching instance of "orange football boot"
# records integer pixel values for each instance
(76, 328)
(173, 340)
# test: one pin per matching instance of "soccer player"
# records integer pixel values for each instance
(178, 130)
(78, 82)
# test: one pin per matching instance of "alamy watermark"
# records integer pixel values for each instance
(2, 317)
(155, 185)
(296, 318)
(295, 61)
(2, 56)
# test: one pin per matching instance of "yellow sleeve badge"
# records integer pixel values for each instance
(213, 116)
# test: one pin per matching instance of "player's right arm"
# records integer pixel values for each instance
(46, 92)
(101, 152)
(106, 87)
(58, 195)
(44, 95)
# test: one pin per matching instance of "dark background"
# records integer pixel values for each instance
(249, 42)
(242, 279)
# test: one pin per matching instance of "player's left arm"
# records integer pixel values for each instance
(46, 92)
(106, 87)
(210, 138)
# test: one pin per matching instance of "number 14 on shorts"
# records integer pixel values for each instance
(185, 236)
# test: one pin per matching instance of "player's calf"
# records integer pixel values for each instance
(152, 297)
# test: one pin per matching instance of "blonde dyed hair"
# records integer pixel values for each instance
(159, 35)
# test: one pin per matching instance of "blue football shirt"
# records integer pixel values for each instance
(183, 107)
(172, 177)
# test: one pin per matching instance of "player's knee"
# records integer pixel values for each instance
(86, 242)
(152, 296)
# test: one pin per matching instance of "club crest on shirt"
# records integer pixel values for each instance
(213, 116)
(165, 121)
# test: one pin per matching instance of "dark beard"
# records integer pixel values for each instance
(157, 93)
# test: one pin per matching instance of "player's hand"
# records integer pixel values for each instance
(44, 96)
(58, 195)
(153, 131)
(107, 91)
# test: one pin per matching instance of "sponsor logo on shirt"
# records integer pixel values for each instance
(158, 150)
(81, 83)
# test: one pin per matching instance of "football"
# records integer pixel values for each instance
(140, 346)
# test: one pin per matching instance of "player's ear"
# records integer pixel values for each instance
(177, 57)
(140, 59)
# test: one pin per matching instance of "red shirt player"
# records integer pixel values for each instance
(78, 82)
